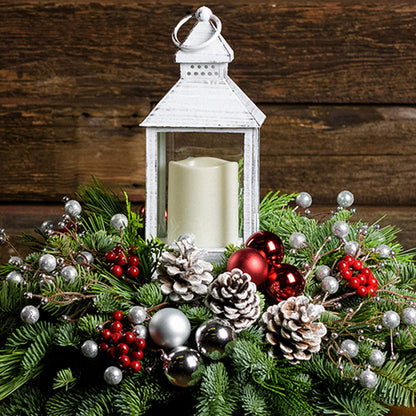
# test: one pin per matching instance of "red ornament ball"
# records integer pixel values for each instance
(284, 280)
(269, 245)
(250, 261)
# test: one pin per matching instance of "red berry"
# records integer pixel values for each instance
(371, 290)
(116, 270)
(362, 291)
(135, 366)
(354, 282)
(136, 355)
(133, 261)
(117, 315)
(106, 333)
(121, 259)
(346, 274)
(122, 348)
(116, 337)
(132, 249)
(124, 361)
(117, 249)
(357, 265)
(104, 346)
(363, 279)
(139, 344)
(366, 272)
(342, 265)
(112, 352)
(110, 256)
(133, 271)
(348, 259)
(129, 337)
(116, 326)
(373, 282)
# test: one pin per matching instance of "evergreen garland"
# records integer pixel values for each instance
(44, 372)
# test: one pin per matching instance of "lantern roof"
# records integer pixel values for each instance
(204, 96)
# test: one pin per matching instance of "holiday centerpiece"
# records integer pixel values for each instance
(296, 317)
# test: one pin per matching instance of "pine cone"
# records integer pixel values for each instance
(232, 296)
(184, 275)
(292, 330)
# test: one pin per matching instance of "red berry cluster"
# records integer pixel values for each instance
(121, 262)
(357, 276)
(125, 347)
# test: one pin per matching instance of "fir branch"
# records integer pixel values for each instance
(64, 379)
(67, 335)
(196, 314)
(26, 401)
(87, 325)
(254, 401)
(150, 295)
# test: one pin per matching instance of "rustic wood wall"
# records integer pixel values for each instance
(336, 79)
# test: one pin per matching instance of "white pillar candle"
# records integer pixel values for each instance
(203, 201)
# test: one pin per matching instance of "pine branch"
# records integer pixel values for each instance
(64, 379)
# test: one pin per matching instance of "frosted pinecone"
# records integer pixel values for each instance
(184, 275)
(291, 329)
(232, 296)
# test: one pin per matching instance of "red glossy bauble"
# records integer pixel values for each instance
(269, 244)
(250, 261)
(284, 281)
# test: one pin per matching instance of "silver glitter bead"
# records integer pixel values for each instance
(322, 272)
(60, 261)
(89, 349)
(393, 357)
(137, 315)
(24, 268)
(367, 367)
(361, 338)
(383, 250)
(47, 263)
(340, 229)
(334, 335)
(377, 298)
(85, 257)
(390, 319)
(46, 226)
(355, 379)
(351, 248)
(368, 379)
(28, 295)
(73, 208)
(113, 375)
(345, 199)
(409, 316)
(377, 358)
(69, 274)
(297, 240)
(14, 277)
(350, 347)
(340, 367)
(411, 303)
(65, 198)
(304, 200)
(29, 314)
(44, 301)
(61, 224)
(307, 211)
(396, 334)
(140, 331)
(353, 210)
(15, 261)
(330, 285)
(119, 222)
(349, 310)
(99, 327)
(382, 344)
(65, 318)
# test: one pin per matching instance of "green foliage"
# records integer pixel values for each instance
(196, 314)
(87, 325)
(149, 295)
(67, 335)
(27, 401)
(64, 379)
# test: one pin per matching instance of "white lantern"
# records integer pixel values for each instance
(197, 137)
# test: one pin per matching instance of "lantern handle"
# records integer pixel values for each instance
(203, 14)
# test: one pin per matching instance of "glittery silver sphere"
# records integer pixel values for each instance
(383, 250)
(409, 316)
(85, 257)
(183, 367)
(304, 200)
(29, 314)
(345, 199)
(69, 274)
(377, 358)
(297, 240)
(169, 328)
(351, 248)
(113, 375)
(330, 285)
(368, 379)
(89, 349)
(137, 315)
(390, 319)
(14, 277)
(46, 225)
(73, 208)
(212, 337)
(322, 272)
(141, 331)
(119, 222)
(349, 347)
(15, 260)
(340, 229)
(47, 262)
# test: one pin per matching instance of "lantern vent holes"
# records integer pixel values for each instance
(201, 70)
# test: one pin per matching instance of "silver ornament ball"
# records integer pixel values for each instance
(322, 272)
(119, 222)
(47, 262)
(14, 277)
(351, 248)
(183, 367)
(69, 274)
(383, 250)
(113, 375)
(212, 337)
(409, 316)
(137, 315)
(330, 285)
(85, 257)
(297, 240)
(368, 379)
(169, 328)
(29, 314)
(89, 349)
(140, 331)
(349, 347)
(304, 200)
(340, 229)
(73, 208)
(345, 199)
(377, 358)
(390, 319)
